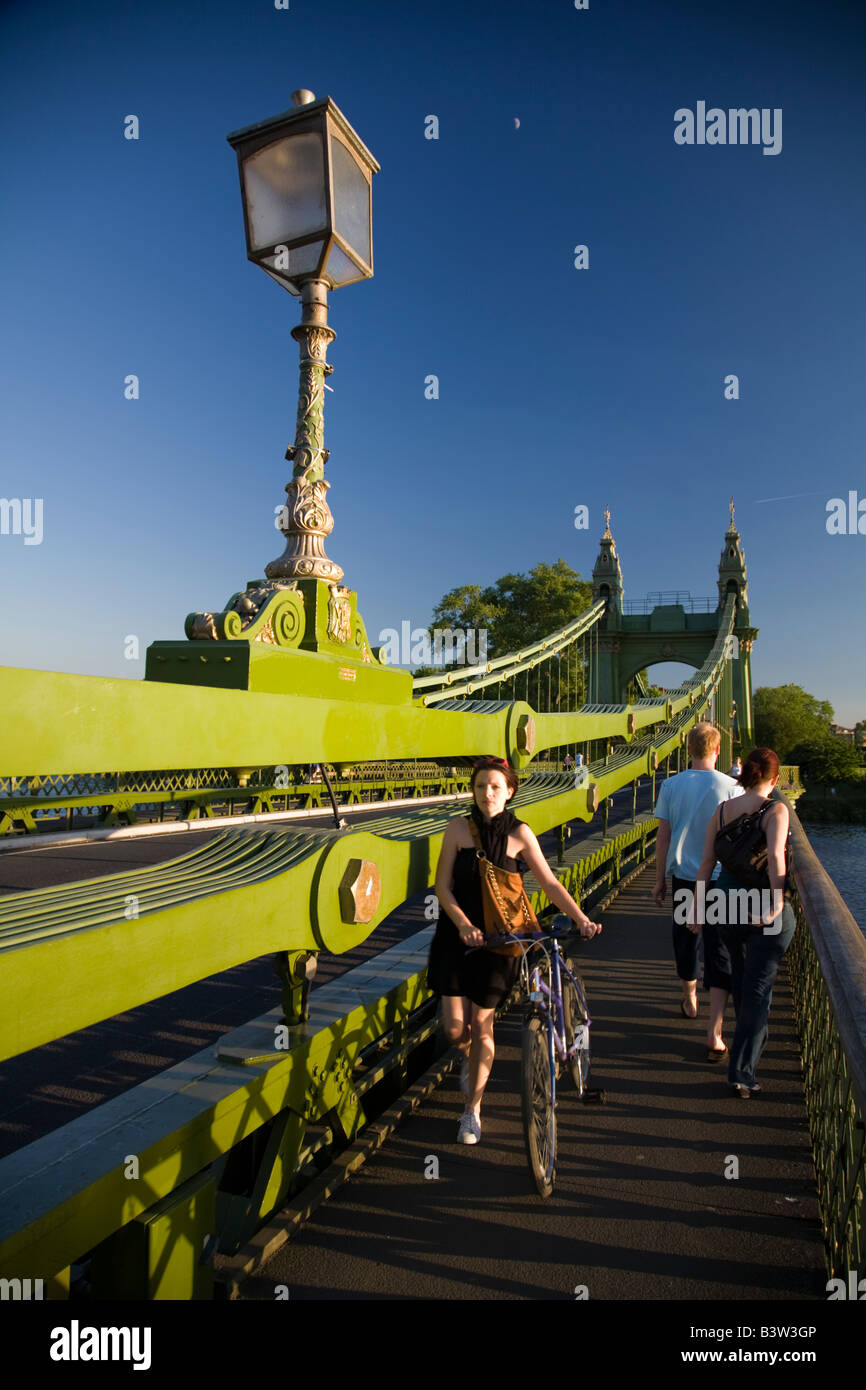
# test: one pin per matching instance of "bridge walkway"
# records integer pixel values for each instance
(641, 1209)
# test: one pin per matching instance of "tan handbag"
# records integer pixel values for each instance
(506, 906)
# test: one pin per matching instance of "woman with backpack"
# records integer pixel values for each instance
(751, 847)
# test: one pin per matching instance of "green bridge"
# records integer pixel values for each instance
(275, 724)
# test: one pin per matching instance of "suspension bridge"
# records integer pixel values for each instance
(165, 1191)
(272, 789)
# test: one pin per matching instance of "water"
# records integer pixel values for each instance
(842, 851)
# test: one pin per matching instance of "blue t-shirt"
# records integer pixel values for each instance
(687, 801)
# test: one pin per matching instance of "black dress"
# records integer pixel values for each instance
(454, 969)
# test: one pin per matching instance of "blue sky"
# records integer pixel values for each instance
(557, 386)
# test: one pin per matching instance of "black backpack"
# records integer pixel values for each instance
(741, 848)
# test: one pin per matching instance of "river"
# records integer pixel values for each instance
(842, 851)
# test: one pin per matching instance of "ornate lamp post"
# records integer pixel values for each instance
(306, 182)
(306, 187)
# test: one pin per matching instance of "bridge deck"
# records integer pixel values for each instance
(641, 1209)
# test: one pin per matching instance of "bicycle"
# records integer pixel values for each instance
(555, 1037)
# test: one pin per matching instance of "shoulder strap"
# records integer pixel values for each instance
(721, 814)
(476, 837)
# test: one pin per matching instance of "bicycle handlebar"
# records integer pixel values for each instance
(531, 937)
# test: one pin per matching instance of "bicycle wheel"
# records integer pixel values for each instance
(574, 1015)
(539, 1121)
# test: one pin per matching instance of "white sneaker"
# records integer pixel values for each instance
(470, 1128)
(464, 1077)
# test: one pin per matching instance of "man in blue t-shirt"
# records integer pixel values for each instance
(684, 806)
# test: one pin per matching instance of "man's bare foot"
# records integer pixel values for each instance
(689, 1004)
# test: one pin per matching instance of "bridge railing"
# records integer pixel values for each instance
(225, 1139)
(827, 968)
(680, 598)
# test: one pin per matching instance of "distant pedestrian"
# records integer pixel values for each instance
(568, 762)
(757, 945)
(684, 804)
(737, 768)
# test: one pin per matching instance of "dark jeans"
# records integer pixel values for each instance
(755, 958)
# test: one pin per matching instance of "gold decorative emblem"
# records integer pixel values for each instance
(339, 614)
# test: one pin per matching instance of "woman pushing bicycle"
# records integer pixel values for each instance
(472, 982)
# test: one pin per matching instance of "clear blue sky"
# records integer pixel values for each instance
(557, 386)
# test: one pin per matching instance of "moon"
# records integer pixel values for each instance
(516, 123)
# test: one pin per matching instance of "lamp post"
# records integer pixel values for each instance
(306, 182)
(306, 187)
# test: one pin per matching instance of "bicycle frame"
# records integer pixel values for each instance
(550, 999)
(553, 1010)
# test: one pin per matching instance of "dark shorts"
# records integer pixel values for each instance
(717, 961)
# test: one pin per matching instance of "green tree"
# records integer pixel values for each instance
(826, 760)
(516, 611)
(650, 692)
(786, 716)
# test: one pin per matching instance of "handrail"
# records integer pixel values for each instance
(828, 976)
(841, 949)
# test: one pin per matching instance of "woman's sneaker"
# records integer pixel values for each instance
(470, 1129)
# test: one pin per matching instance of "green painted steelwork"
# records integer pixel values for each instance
(629, 642)
(190, 1129)
(119, 941)
(154, 725)
(74, 954)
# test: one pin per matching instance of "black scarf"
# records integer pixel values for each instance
(495, 832)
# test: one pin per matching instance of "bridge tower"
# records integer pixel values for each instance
(678, 631)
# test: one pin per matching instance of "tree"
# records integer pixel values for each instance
(650, 691)
(786, 716)
(516, 611)
(826, 760)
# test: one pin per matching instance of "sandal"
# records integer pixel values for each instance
(715, 1054)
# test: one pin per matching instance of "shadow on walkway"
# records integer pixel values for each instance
(642, 1208)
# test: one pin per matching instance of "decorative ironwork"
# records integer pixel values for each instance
(307, 516)
(266, 611)
(827, 970)
(340, 615)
